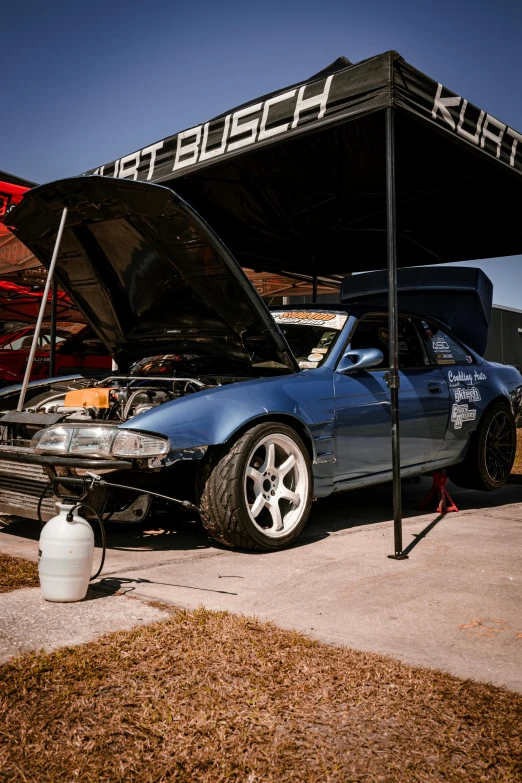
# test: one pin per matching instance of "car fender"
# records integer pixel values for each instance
(508, 386)
(217, 415)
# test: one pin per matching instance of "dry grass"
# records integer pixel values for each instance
(517, 467)
(16, 572)
(211, 697)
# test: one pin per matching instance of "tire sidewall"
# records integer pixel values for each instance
(247, 443)
(489, 415)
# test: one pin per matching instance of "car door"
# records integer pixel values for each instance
(467, 384)
(363, 404)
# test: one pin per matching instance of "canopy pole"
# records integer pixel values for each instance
(43, 305)
(52, 347)
(392, 377)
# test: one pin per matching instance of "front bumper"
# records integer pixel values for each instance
(28, 457)
(24, 476)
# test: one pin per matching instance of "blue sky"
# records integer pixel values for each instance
(85, 83)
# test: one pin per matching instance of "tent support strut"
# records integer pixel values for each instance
(52, 346)
(392, 377)
(50, 275)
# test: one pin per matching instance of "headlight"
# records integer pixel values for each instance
(132, 444)
(92, 441)
(98, 442)
(55, 440)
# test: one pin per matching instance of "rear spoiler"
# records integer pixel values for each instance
(459, 297)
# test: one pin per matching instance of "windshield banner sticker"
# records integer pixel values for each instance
(460, 414)
(309, 318)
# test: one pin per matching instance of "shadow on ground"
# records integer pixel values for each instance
(344, 511)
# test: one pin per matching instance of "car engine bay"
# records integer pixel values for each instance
(111, 400)
(115, 399)
(89, 403)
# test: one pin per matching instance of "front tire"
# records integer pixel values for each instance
(258, 494)
(491, 452)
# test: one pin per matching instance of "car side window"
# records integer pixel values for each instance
(441, 348)
(372, 332)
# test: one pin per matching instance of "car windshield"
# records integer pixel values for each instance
(310, 334)
(23, 341)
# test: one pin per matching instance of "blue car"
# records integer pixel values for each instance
(244, 412)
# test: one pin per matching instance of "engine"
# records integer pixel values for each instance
(115, 399)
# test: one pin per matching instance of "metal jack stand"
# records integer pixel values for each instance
(438, 489)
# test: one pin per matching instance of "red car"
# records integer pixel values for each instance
(77, 350)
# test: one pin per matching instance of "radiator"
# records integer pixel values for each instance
(20, 489)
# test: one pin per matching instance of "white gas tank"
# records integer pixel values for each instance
(65, 556)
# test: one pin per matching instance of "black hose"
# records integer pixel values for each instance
(102, 482)
(69, 518)
(184, 503)
(39, 506)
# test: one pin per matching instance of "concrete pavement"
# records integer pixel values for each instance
(30, 623)
(453, 605)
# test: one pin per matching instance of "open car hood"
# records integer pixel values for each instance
(459, 297)
(150, 276)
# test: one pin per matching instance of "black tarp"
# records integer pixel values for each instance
(295, 180)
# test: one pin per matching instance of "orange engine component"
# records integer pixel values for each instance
(87, 398)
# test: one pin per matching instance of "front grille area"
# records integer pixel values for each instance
(20, 489)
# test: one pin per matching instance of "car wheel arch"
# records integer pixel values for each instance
(499, 399)
(290, 420)
(469, 472)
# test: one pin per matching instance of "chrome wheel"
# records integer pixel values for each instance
(500, 447)
(276, 485)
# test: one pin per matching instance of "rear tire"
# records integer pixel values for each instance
(491, 452)
(258, 493)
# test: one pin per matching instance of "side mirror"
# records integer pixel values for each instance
(359, 359)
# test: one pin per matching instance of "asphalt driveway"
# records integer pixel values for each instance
(455, 604)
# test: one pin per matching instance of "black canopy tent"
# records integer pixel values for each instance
(362, 166)
(296, 180)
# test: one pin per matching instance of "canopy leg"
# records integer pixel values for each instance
(393, 378)
(314, 289)
(52, 347)
(38, 326)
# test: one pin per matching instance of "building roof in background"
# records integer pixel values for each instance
(14, 180)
